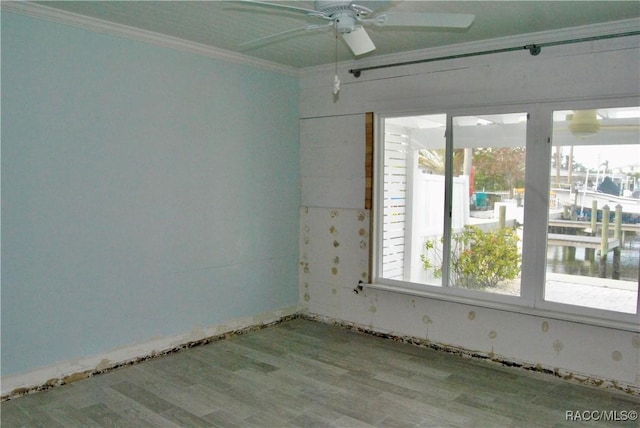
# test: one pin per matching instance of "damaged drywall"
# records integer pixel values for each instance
(579, 352)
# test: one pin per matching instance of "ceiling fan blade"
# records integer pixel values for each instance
(264, 40)
(439, 20)
(359, 41)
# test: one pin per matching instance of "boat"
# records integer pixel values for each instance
(583, 200)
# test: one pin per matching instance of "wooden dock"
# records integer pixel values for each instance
(585, 225)
(581, 241)
(603, 244)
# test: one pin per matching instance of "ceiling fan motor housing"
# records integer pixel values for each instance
(345, 23)
(343, 13)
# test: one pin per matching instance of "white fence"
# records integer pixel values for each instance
(413, 209)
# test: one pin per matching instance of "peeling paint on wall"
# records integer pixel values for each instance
(557, 346)
(338, 247)
(545, 326)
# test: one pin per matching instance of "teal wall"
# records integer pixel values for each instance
(145, 192)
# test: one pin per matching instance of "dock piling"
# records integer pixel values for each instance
(589, 253)
(617, 234)
(604, 247)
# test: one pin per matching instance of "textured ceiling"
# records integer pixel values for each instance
(227, 24)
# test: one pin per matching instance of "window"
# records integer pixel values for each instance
(413, 196)
(594, 215)
(489, 165)
(454, 191)
(482, 249)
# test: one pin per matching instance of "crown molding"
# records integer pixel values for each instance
(40, 11)
(542, 37)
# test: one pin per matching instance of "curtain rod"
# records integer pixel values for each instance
(534, 49)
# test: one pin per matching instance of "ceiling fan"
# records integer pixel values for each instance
(583, 124)
(349, 18)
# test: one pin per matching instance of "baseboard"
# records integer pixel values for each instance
(73, 370)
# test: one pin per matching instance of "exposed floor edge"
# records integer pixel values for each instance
(581, 379)
(577, 378)
(260, 322)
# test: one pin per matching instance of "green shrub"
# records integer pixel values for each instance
(478, 259)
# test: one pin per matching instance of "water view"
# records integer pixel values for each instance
(559, 260)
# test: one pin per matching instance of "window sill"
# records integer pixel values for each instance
(595, 317)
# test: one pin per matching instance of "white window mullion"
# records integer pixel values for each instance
(448, 202)
(411, 256)
(536, 201)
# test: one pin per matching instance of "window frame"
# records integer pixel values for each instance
(538, 158)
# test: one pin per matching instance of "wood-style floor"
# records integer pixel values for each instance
(304, 373)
